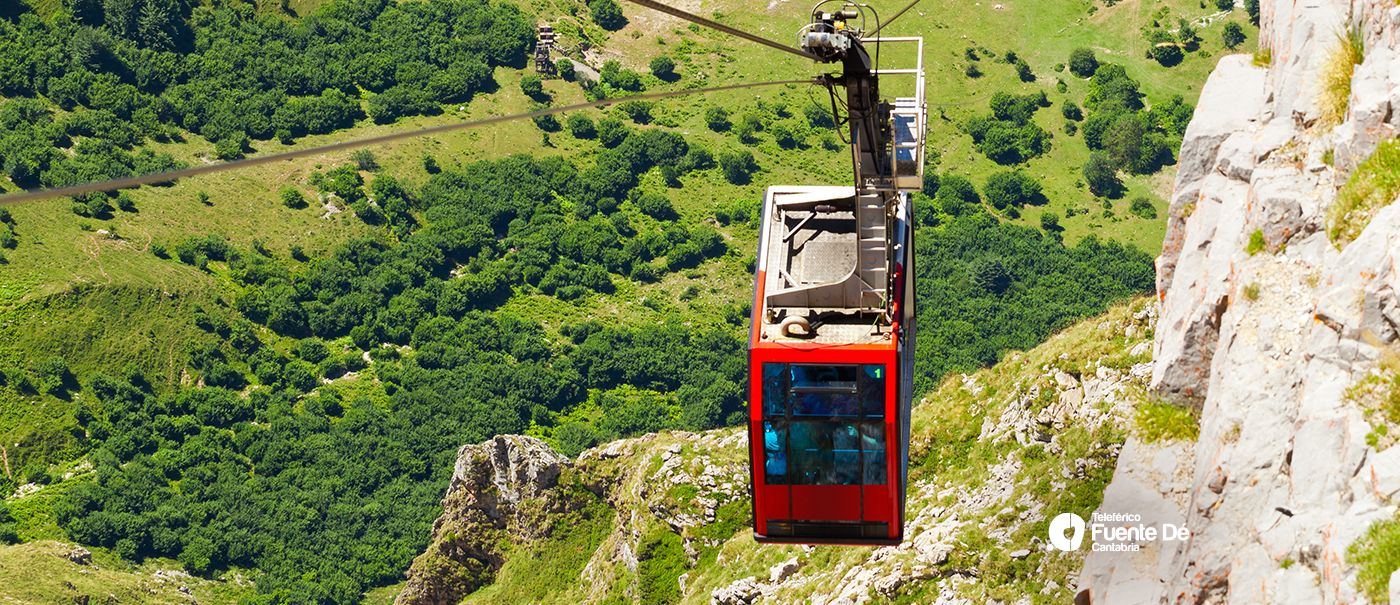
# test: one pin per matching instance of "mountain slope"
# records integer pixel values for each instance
(665, 518)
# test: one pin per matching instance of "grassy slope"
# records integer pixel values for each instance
(40, 572)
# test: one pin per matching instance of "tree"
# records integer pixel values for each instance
(546, 122)
(1101, 176)
(1252, 7)
(566, 69)
(931, 183)
(656, 206)
(738, 165)
(430, 164)
(1023, 70)
(1143, 208)
(1071, 111)
(532, 86)
(717, 118)
(292, 198)
(364, 160)
(581, 126)
(231, 147)
(787, 134)
(611, 132)
(991, 276)
(1225, 5)
(1187, 35)
(663, 67)
(607, 14)
(1050, 222)
(1011, 188)
(1232, 35)
(1163, 48)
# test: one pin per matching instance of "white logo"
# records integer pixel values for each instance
(1062, 522)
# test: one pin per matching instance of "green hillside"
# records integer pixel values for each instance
(235, 371)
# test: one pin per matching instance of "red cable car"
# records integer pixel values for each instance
(831, 343)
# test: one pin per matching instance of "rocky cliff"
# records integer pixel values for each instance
(665, 518)
(1278, 323)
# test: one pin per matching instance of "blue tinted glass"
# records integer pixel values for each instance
(825, 404)
(872, 441)
(845, 442)
(774, 454)
(811, 453)
(872, 390)
(774, 390)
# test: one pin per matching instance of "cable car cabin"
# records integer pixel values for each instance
(830, 366)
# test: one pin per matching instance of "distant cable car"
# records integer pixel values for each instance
(832, 338)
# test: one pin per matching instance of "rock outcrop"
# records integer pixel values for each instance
(1280, 349)
(501, 490)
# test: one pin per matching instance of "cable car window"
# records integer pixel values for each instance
(872, 442)
(872, 390)
(813, 433)
(774, 453)
(774, 389)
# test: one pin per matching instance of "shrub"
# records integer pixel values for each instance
(430, 164)
(126, 202)
(1143, 208)
(1011, 188)
(607, 14)
(957, 187)
(931, 182)
(972, 71)
(611, 132)
(738, 166)
(787, 134)
(532, 86)
(547, 122)
(364, 159)
(1256, 243)
(231, 147)
(1082, 62)
(637, 111)
(1101, 176)
(717, 119)
(292, 198)
(1232, 35)
(1164, 49)
(656, 206)
(1377, 556)
(663, 67)
(1373, 185)
(1071, 111)
(581, 126)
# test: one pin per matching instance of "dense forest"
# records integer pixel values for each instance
(326, 399)
(125, 71)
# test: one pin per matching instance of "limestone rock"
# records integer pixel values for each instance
(1271, 347)
(485, 502)
(741, 592)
